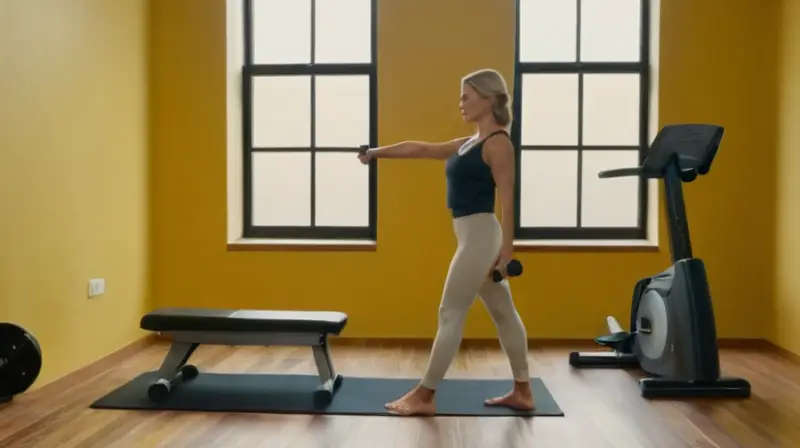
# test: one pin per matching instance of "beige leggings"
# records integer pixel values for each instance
(479, 239)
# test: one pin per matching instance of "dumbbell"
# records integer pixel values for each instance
(514, 269)
(362, 150)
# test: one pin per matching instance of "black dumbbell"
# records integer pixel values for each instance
(514, 269)
(362, 150)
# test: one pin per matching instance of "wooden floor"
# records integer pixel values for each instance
(603, 408)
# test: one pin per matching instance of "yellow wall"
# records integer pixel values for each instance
(787, 273)
(718, 65)
(73, 174)
(722, 74)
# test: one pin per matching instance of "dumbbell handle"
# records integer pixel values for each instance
(514, 269)
(362, 150)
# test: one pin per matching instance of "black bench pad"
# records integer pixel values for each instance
(272, 321)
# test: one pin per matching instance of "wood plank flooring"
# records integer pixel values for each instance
(603, 408)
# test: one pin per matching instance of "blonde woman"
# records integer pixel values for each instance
(475, 166)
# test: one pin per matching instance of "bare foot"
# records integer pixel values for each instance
(520, 398)
(419, 401)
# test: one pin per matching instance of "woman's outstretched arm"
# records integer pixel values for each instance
(418, 150)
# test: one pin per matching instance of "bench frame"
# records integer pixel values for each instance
(175, 368)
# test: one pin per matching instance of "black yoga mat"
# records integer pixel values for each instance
(293, 394)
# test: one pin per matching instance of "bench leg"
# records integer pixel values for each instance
(327, 373)
(173, 370)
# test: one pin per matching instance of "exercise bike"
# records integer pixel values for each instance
(672, 330)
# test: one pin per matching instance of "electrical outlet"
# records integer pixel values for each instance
(97, 286)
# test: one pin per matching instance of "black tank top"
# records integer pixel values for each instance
(470, 184)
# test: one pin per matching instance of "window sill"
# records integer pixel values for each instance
(586, 246)
(257, 244)
(265, 244)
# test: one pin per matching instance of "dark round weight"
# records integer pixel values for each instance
(189, 372)
(20, 360)
(513, 269)
(158, 391)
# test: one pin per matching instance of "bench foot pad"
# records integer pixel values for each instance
(324, 395)
(159, 390)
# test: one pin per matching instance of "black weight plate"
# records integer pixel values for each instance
(20, 359)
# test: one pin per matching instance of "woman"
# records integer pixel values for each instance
(474, 167)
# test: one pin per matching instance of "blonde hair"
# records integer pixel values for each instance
(491, 84)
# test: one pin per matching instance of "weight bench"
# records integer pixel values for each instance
(190, 327)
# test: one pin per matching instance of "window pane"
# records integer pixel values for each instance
(547, 30)
(610, 30)
(342, 190)
(281, 189)
(342, 111)
(549, 188)
(281, 31)
(549, 109)
(609, 202)
(611, 109)
(282, 111)
(343, 31)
